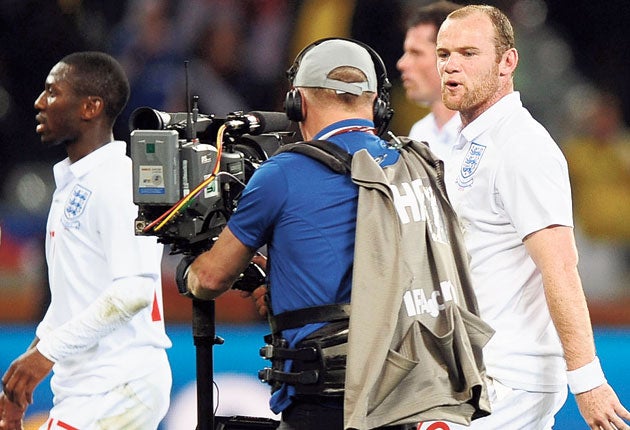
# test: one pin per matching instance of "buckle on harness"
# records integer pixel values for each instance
(266, 352)
(293, 378)
(270, 352)
(318, 362)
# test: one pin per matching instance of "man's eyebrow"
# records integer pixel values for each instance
(457, 49)
(474, 48)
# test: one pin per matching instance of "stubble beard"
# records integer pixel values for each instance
(474, 98)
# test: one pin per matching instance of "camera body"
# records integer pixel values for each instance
(172, 154)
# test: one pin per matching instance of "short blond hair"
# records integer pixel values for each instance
(503, 31)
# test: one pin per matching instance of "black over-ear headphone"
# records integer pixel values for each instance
(382, 110)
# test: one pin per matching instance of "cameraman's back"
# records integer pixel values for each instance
(304, 211)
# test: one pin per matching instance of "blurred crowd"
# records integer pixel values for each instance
(235, 53)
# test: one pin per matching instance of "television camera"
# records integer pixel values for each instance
(189, 170)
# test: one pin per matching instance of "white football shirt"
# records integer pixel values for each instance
(90, 245)
(507, 178)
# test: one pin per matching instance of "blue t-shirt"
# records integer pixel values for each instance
(306, 215)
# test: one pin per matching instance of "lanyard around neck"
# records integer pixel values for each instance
(348, 129)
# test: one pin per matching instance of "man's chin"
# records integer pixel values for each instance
(451, 103)
(50, 143)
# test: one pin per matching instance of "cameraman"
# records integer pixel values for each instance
(303, 211)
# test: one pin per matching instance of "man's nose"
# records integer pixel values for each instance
(39, 101)
(400, 64)
(450, 64)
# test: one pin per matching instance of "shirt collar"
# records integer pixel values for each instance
(504, 107)
(360, 122)
(64, 171)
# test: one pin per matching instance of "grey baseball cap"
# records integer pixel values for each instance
(323, 58)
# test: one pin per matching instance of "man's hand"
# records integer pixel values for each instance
(11, 415)
(181, 275)
(23, 375)
(601, 409)
(259, 295)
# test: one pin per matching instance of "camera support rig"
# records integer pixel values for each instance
(186, 189)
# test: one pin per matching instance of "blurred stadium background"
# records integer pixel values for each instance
(573, 76)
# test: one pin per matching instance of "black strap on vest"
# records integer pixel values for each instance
(315, 314)
(309, 377)
(318, 362)
(331, 155)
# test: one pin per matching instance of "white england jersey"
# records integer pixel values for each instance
(90, 245)
(507, 178)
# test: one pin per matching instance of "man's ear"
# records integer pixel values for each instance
(92, 107)
(303, 104)
(509, 61)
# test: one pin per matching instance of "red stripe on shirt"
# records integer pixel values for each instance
(155, 312)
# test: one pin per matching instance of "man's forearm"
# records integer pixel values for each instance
(117, 305)
(216, 270)
(569, 312)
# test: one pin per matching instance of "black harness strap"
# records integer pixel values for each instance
(309, 377)
(319, 362)
(326, 152)
(315, 314)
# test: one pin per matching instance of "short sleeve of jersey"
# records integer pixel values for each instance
(533, 184)
(260, 205)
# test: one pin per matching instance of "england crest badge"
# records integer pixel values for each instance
(470, 164)
(77, 200)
